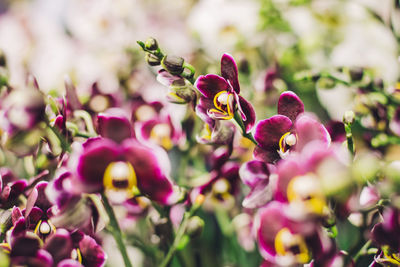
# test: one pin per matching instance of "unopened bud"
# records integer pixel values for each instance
(356, 74)
(348, 117)
(151, 44)
(152, 60)
(3, 61)
(173, 64)
(195, 227)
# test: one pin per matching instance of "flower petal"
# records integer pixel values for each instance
(151, 178)
(115, 125)
(290, 105)
(229, 71)
(269, 131)
(308, 129)
(254, 171)
(94, 161)
(248, 111)
(211, 84)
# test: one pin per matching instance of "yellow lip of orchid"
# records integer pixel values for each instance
(310, 196)
(120, 176)
(285, 240)
(220, 99)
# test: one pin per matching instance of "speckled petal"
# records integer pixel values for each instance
(254, 171)
(211, 84)
(229, 71)
(92, 253)
(290, 105)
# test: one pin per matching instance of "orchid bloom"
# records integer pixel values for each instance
(290, 129)
(220, 94)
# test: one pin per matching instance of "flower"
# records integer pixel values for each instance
(290, 129)
(287, 242)
(124, 170)
(220, 95)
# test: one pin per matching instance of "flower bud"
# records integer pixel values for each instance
(3, 60)
(151, 44)
(152, 60)
(195, 227)
(173, 64)
(356, 74)
(348, 117)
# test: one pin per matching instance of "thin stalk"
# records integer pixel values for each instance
(239, 122)
(115, 230)
(181, 231)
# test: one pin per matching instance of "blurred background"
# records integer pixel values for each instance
(278, 45)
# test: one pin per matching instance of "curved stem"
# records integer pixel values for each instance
(114, 229)
(239, 122)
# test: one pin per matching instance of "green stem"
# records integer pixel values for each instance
(349, 138)
(239, 122)
(64, 144)
(115, 230)
(179, 234)
(363, 250)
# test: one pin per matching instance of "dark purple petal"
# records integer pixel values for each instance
(92, 254)
(26, 246)
(269, 132)
(211, 84)
(59, 245)
(250, 115)
(151, 177)
(17, 188)
(42, 201)
(229, 71)
(336, 131)
(267, 155)
(94, 161)
(115, 125)
(290, 105)
(309, 129)
(253, 172)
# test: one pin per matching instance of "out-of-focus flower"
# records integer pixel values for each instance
(115, 125)
(124, 170)
(286, 242)
(220, 95)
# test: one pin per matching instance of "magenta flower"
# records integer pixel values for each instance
(290, 129)
(286, 242)
(124, 169)
(220, 95)
(115, 125)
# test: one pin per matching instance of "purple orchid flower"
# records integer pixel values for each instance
(179, 90)
(286, 242)
(125, 170)
(220, 95)
(290, 129)
(160, 131)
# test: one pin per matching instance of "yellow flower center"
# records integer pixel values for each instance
(288, 244)
(222, 105)
(287, 140)
(76, 255)
(160, 134)
(305, 191)
(44, 228)
(120, 177)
